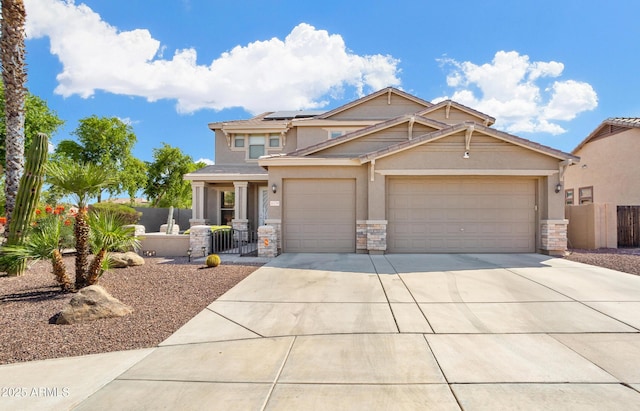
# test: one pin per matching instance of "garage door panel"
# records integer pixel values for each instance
(461, 215)
(319, 215)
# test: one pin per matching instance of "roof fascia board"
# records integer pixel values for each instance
(307, 161)
(225, 177)
(468, 172)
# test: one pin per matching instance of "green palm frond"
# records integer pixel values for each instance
(83, 181)
(109, 233)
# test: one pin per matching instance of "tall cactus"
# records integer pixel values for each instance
(28, 195)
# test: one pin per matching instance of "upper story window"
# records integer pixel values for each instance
(586, 195)
(256, 147)
(568, 197)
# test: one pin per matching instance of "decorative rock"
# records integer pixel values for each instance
(92, 303)
(123, 260)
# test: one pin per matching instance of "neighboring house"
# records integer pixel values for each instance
(609, 173)
(387, 173)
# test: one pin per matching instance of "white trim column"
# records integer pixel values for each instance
(197, 203)
(241, 199)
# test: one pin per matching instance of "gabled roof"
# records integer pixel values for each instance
(486, 119)
(362, 100)
(366, 131)
(436, 135)
(609, 127)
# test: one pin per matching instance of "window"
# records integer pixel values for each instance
(274, 141)
(256, 146)
(238, 141)
(586, 195)
(227, 207)
(568, 197)
(335, 134)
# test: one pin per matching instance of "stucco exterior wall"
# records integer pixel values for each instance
(485, 153)
(377, 141)
(455, 116)
(230, 155)
(611, 166)
(592, 226)
(308, 136)
(379, 109)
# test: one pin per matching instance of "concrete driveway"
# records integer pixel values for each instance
(393, 332)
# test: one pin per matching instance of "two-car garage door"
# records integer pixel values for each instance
(461, 214)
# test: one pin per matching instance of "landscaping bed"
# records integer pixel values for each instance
(164, 294)
(622, 259)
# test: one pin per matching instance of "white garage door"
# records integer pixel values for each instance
(319, 216)
(461, 215)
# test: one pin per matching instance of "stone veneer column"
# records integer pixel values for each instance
(376, 236)
(277, 226)
(553, 236)
(267, 241)
(361, 236)
(200, 236)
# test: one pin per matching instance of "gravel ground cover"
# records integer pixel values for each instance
(626, 260)
(164, 294)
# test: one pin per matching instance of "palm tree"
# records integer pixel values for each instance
(44, 242)
(12, 54)
(82, 181)
(108, 233)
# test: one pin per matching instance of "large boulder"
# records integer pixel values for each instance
(122, 260)
(92, 303)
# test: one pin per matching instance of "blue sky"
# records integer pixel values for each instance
(549, 70)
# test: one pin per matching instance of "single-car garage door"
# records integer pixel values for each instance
(461, 215)
(319, 216)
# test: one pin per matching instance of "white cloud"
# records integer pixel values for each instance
(511, 89)
(207, 161)
(294, 73)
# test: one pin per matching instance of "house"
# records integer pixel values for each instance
(608, 174)
(387, 173)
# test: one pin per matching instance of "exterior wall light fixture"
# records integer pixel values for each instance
(274, 188)
(558, 187)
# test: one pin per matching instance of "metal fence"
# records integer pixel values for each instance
(232, 241)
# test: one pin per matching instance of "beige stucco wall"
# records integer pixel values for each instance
(485, 153)
(380, 109)
(165, 245)
(455, 116)
(229, 155)
(611, 166)
(377, 141)
(592, 226)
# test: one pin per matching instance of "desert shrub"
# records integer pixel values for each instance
(126, 214)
